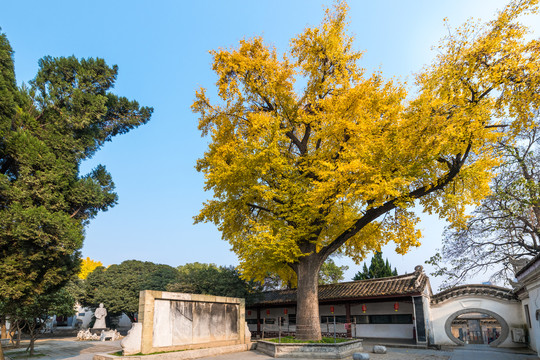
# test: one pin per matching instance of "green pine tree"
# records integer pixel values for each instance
(46, 131)
(378, 268)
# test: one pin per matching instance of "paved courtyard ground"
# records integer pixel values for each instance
(65, 348)
(70, 348)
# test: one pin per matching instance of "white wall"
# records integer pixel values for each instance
(398, 331)
(388, 331)
(534, 305)
(510, 311)
(85, 315)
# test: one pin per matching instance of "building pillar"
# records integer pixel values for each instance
(258, 320)
(419, 319)
(348, 319)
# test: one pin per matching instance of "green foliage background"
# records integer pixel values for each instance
(378, 268)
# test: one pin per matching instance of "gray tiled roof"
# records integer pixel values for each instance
(401, 285)
(474, 290)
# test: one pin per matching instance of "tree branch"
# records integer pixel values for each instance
(374, 213)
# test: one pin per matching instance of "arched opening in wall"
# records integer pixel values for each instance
(498, 333)
(476, 328)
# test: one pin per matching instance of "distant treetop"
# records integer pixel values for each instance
(378, 268)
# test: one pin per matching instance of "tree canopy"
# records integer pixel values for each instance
(504, 231)
(330, 273)
(87, 266)
(210, 279)
(46, 130)
(336, 160)
(118, 286)
(378, 268)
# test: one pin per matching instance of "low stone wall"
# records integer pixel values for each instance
(342, 350)
(179, 355)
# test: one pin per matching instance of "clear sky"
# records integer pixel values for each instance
(161, 48)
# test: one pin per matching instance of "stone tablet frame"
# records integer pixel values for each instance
(147, 305)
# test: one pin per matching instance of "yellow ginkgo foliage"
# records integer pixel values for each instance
(87, 266)
(335, 164)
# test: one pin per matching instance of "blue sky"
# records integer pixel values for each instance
(161, 48)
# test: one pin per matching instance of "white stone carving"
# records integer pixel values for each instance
(100, 314)
(247, 334)
(111, 335)
(87, 335)
(132, 342)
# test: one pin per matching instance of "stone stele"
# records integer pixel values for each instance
(178, 321)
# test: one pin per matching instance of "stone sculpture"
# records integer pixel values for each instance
(111, 335)
(87, 335)
(105, 335)
(132, 342)
(100, 314)
(247, 334)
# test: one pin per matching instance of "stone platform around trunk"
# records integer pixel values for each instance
(341, 350)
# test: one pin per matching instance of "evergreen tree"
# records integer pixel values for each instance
(46, 131)
(119, 285)
(330, 273)
(209, 279)
(378, 268)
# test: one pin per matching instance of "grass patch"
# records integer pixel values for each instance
(291, 340)
(23, 355)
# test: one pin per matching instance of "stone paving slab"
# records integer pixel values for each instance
(467, 353)
(67, 348)
(71, 349)
(392, 354)
(180, 355)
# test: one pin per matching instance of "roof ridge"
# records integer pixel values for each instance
(388, 278)
(383, 279)
(457, 287)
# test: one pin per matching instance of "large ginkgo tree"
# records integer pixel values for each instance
(336, 161)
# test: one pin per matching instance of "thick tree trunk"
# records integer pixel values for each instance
(32, 328)
(308, 326)
(1, 352)
(3, 331)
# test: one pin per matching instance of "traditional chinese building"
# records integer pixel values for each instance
(392, 307)
(401, 307)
